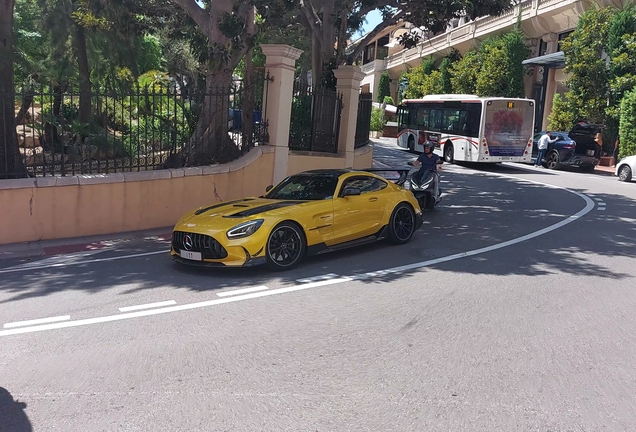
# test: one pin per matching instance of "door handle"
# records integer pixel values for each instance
(372, 199)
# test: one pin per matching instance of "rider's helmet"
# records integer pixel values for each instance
(429, 144)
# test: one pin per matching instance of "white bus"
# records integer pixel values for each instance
(468, 128)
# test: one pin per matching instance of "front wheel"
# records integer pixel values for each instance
(285, 246)
(625, 173)
(401, 224)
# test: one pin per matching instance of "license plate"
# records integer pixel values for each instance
(194, 256)
(506, 158)
(590, 152)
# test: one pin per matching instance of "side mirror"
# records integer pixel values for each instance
(350, 192)
(268, 188)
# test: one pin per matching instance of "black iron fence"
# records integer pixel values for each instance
(315, 119)
(147, 127)
(363, 122)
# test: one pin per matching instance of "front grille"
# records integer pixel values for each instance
(208, 246)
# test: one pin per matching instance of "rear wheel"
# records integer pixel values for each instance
(448, 153)
(401, 224)
(625, 173)
(553, 161)
(285, 246)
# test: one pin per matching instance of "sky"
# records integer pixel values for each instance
(373, 19)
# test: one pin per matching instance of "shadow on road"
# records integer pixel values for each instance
(478, 210)
(12, 415)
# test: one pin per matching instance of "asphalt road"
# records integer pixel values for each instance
(511, 310)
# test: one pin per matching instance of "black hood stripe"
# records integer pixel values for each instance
(206, 209)
(263, 209)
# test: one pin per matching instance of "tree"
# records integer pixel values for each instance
(230, 29)
(325, 20)
(384, 88)
(10, 159)
(445, 75)
(627, 126)
(464, 73)
(560, 118)
(588, 93)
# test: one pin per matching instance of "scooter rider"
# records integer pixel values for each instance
(429, 161)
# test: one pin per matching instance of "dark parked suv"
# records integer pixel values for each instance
(574, 148)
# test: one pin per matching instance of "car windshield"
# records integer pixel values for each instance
(305, 187)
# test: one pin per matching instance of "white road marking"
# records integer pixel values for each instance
(37, 321)
(147, 306)
(242, 291)
(317, 278)
(38, 266)
(589, 206)
(171, 308)
(599, 199)
(601, 209)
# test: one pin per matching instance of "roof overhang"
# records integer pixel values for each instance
(554, 59)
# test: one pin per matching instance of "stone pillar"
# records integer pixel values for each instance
(349, 78)
(280, 62)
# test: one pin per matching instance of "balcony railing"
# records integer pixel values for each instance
(478, 27)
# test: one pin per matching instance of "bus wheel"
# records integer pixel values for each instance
(448, 153)
(411, 143)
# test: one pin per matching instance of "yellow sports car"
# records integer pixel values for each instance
(307, 213)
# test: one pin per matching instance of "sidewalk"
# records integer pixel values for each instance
(82, 244)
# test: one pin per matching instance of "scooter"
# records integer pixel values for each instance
(426, 188)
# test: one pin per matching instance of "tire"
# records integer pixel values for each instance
(625, 173)
(286, 246)
(552, 160)
(448, 153)
(411, 143)
(401, 224)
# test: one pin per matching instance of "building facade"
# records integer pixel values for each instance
(545, 23)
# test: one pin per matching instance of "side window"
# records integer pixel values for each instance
(451, 120)
(364, 183)
(436, 120)
(422, 118)
(402, 113)
(536, 137)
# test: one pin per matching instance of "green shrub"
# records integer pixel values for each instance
(384, 87)
(627, 126)
(388, 100)
(377, 120)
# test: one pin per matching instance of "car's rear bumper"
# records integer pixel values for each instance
(580, 160)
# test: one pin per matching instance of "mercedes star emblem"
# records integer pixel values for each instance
(187, 242)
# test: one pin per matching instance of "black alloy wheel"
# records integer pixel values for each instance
(552, 161)
(402, 224)
(285, 246)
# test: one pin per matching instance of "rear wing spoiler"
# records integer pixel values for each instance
(402, 172)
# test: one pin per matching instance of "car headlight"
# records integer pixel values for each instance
(245, 229)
